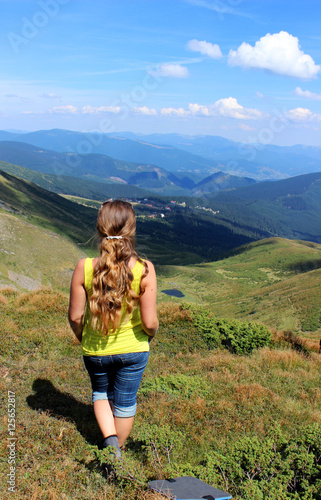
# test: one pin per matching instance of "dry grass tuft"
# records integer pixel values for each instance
(8, 291)
(151, 496)
(3, 299)
(43, 299)
(9, 326)
(281, 358)
(251, 393)
(170, 312)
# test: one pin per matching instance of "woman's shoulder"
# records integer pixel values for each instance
(150, 272)
(80, 265)
(149, 264)
(85, 265)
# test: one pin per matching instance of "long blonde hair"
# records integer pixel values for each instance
(112, 277)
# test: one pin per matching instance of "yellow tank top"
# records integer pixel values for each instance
(128, 337)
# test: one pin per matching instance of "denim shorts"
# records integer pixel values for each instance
(117, 378)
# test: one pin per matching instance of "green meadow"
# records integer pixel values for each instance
(275, 281)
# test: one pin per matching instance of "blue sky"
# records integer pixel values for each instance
(248, 70)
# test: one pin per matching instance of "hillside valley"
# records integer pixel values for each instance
(289, 208)
(201, 234)
(274, 280)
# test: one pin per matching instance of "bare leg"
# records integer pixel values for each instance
(110, 425)
(104, 416)
(123, 428)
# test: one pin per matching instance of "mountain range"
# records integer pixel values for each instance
(105, 169)
(194, 156)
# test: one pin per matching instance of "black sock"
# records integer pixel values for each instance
(113, 442)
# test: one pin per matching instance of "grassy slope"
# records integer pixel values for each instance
(46, 209)
(192, 404)
(276, 281)
(33, 257)
(289, 208)
(72, 185)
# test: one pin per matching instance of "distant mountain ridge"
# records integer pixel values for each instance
(167, 156)
(262, 162)
(104, 169)
(197, 156)
(67, 185)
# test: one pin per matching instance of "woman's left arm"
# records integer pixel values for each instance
(148, 310)
(78, 298)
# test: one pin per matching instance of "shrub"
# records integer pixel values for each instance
(270, 468)
(206, 324)
(240, 337)
(243, 337)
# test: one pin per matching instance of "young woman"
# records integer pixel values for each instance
(112, 311)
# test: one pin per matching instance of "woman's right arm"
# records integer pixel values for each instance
(148, 311)
(77, 301)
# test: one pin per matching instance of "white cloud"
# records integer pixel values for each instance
(306, 93)
(301, 115)
(174, 112)
(101, 109)
(227, 107)
(246, 127)
(199, 109)
(144, 110)
(279, 53)
(206, 48)
(65, 109)
(172, 70)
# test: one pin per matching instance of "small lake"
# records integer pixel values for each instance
(173, 293)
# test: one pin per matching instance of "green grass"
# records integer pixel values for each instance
(32, 257)
(275, 281)
(47, 210)
(194, 406)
